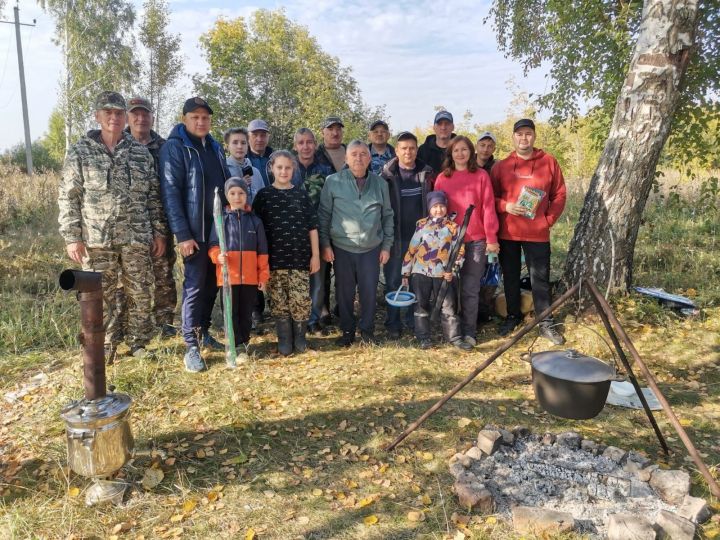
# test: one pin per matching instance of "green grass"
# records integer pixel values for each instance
(293, 448)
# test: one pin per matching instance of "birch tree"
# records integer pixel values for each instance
(164, 64)
(96, 40)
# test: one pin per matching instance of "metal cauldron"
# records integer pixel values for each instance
(99, 439)
(570, 384)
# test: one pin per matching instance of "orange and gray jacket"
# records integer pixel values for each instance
(247, 248)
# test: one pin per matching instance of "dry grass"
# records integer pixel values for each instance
(292, 448)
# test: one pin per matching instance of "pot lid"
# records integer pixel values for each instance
(105, 408)
(572, 366)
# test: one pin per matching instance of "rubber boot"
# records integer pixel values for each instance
(299, 332)
(284, 331)
(422, 327)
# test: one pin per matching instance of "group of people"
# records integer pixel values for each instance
(129, 200)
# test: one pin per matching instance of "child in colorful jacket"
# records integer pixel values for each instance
(247, 258)
(424, 264)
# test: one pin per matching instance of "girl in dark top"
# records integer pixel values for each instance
(291, 225)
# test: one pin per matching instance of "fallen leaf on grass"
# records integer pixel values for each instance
(177, 517)
(416, 516)
(367, 501)
(189, 506)
(464, 422)
(122, 527)
(303, 520)
(74, 491)
(491, 520)
(152, 478)
(426, 500)
(317, 492)
(250, 534)
(372, 519)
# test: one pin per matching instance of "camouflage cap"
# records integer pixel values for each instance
(139, 103)
(110, 100)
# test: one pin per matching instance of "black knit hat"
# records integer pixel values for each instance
(235, 181)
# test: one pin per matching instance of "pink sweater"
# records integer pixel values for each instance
(464, 188)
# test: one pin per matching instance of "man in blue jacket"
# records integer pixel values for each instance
(192, 165)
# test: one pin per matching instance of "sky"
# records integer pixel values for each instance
(407, 55)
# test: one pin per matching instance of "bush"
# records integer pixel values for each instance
(43, 161)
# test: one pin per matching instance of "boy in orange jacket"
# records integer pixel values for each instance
(247, 258)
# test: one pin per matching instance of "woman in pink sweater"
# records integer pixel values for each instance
(466, 183)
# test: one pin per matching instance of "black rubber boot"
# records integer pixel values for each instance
(285, 336)
(299, 330)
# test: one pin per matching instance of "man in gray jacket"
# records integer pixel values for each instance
(356, 232)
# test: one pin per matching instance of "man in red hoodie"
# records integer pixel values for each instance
(519, 180)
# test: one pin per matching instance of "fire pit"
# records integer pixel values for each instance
(562, 483)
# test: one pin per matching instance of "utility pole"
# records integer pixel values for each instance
(23, 93)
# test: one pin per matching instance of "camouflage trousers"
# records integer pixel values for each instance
(290, 294)
(165, 293)
(131, 266)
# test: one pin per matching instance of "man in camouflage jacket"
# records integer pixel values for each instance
(111, 218)
(140, 121)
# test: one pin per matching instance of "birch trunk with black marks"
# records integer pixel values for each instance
(604, 241)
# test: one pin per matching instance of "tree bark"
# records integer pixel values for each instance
(604, 241)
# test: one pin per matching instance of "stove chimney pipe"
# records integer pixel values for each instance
(92, 338)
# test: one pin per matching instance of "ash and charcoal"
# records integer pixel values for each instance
(582, 481)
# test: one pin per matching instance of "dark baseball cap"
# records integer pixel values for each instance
(110, 100)
(195, 103)
(443, 115)
(331, 120)
(406, 135)
(525, 122)
(377, 123)
(139, 103)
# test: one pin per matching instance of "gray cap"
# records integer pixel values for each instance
(258, 125)
(487, 135)
(443, 115)
(110, 100)
(330, 120)
(235, 181)
(377, 123)
(406, 135)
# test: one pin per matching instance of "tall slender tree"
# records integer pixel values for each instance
(96, 39)
(164, 63)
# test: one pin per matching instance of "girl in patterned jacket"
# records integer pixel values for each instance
(424, 264)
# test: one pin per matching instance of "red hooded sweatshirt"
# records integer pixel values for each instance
(509, 176)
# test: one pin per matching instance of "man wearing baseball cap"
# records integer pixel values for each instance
(432, 151)
(527, 168)
(380, 151)
(485, 147)
(259, 151)
(111, 219)
(140, 122)
(331, 151)
(192, 165)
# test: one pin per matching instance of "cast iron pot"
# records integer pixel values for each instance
(569, 384)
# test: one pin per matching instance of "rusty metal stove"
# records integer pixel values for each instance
(99, 439)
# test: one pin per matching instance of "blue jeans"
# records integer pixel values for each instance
(393, 277)
(317, 294)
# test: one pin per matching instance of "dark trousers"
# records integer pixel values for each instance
(426, 290)
(471, 275)
(537, 257)
(317, 295)
(393, 278)
(361, 272)
(199, 292)
(243, 303)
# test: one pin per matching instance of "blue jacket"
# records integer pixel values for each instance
(183, 184)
